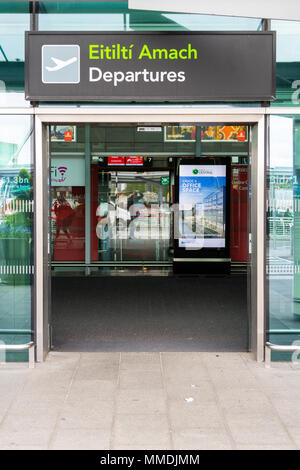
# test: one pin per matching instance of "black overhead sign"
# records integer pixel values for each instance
(156, 66)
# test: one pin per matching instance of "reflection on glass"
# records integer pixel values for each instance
(116, 16)
(16, 217)
(180, 133)
(208, 133)
(282, 228)
(133, 216)
(288, 59)
(196, 22)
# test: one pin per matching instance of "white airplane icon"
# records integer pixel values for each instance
(60, 64)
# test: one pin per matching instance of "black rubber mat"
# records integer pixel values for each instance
(150, 314)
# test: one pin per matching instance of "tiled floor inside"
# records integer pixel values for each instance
(149, 401)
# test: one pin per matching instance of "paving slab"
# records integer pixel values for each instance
(137, 379)
(91, 389)
(141, 430)
(88, 414)
(140, 361)
(194, 415)
(201, 439)
(135, 401)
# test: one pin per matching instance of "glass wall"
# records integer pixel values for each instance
(288, 62)
(16, 205)
(68, 192)
(113, 189)
(283, 231)
(116, 16)
(16, 236)
(14, 21)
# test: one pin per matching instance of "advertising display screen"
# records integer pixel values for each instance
(202, 206)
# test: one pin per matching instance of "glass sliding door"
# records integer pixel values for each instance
(103, 212)
(134, 220)
(113, 187)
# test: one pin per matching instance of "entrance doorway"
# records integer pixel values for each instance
(113, 225)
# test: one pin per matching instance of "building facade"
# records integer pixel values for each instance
(32, 131)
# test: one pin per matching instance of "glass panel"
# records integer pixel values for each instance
(288, 59)
(283, 235)
(171, 140)
(130, 139)
(16, 218)
(195, 22)
(68, 186)
(239, 213)
(134, 220)
(82, 16)
(14, 21)
(68, 221)
(115, 16)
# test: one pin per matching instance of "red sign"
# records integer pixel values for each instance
(241, 137)
(117, 161)
(68, 136)
(138, 161)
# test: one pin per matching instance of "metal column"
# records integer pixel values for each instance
(87, 198)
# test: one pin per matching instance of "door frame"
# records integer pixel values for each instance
(142, 115)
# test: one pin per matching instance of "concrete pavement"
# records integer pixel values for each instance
(128, 401)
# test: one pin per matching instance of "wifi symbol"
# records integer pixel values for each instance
(62, 170)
